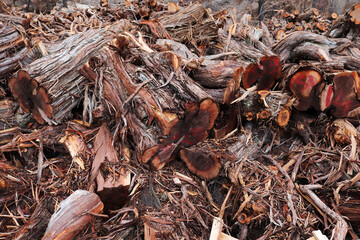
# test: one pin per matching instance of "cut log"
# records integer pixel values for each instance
(201, 162)
(263, 74)
(303, 84)
(172, 7)
(73, 214)
(198, 119)
(280, 34)
(346, 101)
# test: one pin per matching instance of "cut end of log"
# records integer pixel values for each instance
(172, 7)
(32, 97)
(302, 84)
(212, 110)
(280, 34)
(203, 164)
(264, 73)
(283, 117)
(263, 115)
(345, 94)
(199, 118)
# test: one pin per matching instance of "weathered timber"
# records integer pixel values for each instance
(12, 49)
(58, 72)
(192, 22)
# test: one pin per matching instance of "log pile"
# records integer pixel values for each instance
(160, 121)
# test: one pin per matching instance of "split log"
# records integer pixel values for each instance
(191, 23)
(73, 214)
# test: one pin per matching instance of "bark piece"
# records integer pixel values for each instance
(201, 162)
(104, 154)
(77, 148)
(32, 97)
(263, 74)
(341, 131)
(73, 214)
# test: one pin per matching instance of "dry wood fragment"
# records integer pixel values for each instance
(77, 148)
(73, 214)
(172, 7)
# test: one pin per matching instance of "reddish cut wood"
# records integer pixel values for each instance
(200, 162)
(264, 73)
(345, 97)
(302, 84)
(32, 97)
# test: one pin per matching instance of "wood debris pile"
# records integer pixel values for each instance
(155, 121)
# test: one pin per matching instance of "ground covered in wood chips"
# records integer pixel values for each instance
(158, 120)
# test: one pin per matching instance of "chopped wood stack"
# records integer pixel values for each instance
(150, 119)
